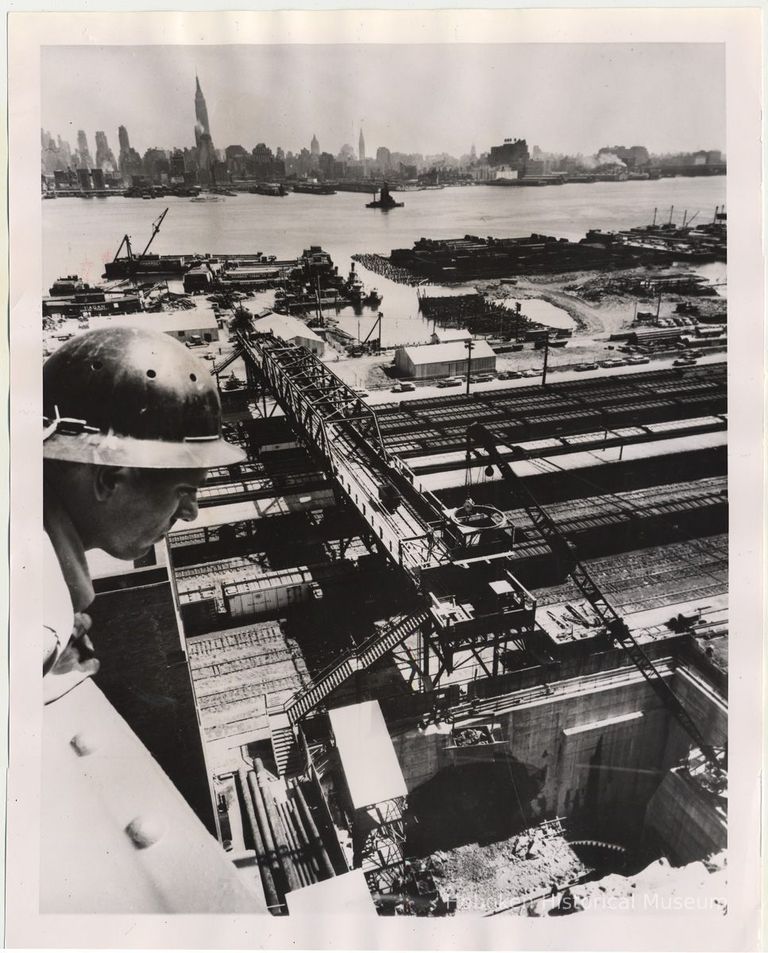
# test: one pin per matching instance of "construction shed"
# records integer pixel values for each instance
(426, 361)
(292, 330)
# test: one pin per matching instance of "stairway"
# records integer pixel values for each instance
(306, 700)
(223, 365)
(285, 747)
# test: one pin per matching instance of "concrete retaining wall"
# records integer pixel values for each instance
(599, 755)
(686, 820)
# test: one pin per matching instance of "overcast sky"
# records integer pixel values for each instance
(432, 98)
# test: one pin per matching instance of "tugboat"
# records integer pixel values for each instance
(354, 287)
(373, 298)
(385, 200)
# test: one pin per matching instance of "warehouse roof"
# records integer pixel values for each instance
(445, 353)
(286, 327)
(445, 335)
(369, 761)
(194, 319)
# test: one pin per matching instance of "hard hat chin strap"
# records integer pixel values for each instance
(65, 425)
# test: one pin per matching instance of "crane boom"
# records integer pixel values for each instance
(480, 436)
(155, 229)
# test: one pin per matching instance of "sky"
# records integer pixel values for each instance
(411, 98)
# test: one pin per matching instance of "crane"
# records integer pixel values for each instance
(564, 551)
(135, 259)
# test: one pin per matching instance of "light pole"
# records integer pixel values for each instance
(469, 345)
(546, 358)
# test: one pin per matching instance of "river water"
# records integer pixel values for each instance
(80, 235)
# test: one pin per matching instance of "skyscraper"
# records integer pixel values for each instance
(383, 158)
(130, 160)
(84, 159)
(201, 110)
(314, 147)
(105, 159)
(206, 154)
(361, 146)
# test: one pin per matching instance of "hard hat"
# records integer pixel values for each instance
(125, 396)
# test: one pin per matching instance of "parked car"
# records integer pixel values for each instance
(407, 385)
(359, 392)
(684, 362)
(449, 382)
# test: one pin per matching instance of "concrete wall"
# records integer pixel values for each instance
(597, 755)
(421, 753)
(686, 820)
(703, 705)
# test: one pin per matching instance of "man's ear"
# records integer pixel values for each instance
(106, 480)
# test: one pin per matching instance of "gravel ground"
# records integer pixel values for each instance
(492, 876)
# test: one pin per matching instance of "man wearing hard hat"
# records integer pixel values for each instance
(132, 422)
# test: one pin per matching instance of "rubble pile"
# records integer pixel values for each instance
(496, 876)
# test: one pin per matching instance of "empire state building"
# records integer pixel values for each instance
(206, 156)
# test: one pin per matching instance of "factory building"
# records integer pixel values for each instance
(426, 361)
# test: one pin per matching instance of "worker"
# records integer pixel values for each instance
(132, 422)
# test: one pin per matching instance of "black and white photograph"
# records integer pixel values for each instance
(386, 513)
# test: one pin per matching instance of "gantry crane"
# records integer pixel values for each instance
(564, 551)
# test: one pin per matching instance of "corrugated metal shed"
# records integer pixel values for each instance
(441, 360)
(448, 352)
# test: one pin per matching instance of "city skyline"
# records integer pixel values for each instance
(282, 95)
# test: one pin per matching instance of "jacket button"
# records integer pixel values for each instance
(145, 831)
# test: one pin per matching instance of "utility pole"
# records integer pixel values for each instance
(546, 359)
(469, 345)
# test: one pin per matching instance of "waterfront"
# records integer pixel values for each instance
(79, 236)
